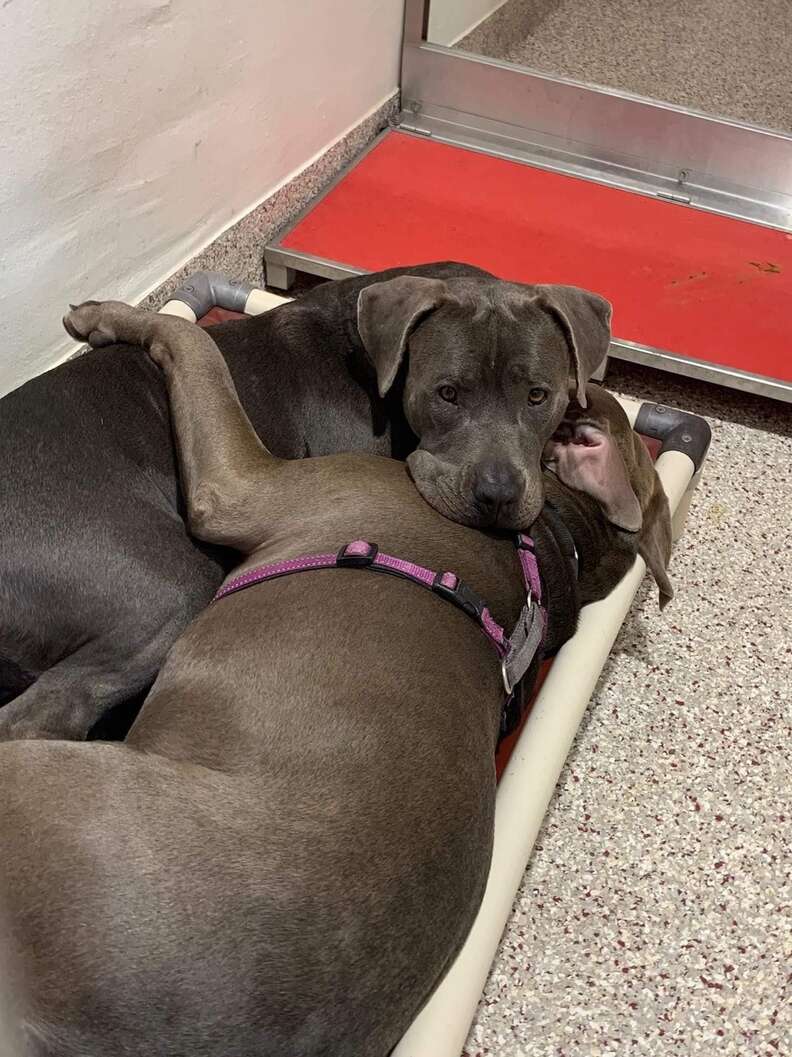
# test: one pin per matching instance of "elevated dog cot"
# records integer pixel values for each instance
(530, 760)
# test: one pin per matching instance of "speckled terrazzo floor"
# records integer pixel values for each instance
(654, 917)
(726, 57)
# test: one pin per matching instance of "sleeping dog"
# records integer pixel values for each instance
(290, 847)
(98, 575)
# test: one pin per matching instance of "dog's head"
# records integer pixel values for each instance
(596, 451)
(488, 370)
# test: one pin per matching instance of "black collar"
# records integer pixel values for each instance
(561, 541)
(563, 537)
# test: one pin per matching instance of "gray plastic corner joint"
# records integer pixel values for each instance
(676, 430)
(206, 290)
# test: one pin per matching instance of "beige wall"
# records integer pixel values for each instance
(133, 132)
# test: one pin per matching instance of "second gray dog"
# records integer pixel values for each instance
(284, 856)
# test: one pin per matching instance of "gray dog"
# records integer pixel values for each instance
(98, 575)
(290, 847)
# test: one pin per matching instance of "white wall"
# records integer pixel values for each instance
(450, 20)
(132, 132)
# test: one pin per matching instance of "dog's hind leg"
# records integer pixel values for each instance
(117, 652)
(67, 699)
(70, 697)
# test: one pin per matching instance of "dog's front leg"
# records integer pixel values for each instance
(222, 461)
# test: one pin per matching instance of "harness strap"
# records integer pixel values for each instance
(528, 636)
(563, 537)
(516, 652)
(360, 554)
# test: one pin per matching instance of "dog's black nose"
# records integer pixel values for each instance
(496, 488)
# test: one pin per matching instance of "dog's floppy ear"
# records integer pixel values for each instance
(654, 543)
(388, 312)
(585, 456)
(585, 320)
(606, 460)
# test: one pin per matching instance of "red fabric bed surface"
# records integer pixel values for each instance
(680, 279)
(219, 315)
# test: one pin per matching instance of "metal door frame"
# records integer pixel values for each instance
(608, 136)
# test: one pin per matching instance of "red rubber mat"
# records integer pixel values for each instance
(680, 279)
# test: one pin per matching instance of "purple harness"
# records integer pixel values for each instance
(515, 652)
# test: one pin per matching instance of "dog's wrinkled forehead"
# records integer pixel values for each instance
(493, 333)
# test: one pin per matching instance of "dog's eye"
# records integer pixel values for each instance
(447, 393)
(537, 395)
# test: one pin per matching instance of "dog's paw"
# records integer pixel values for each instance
(93, 321)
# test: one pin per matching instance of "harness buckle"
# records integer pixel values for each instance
(508, 686)
(358, 554)
(454, 590)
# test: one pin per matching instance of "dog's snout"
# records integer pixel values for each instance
(497, 487)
